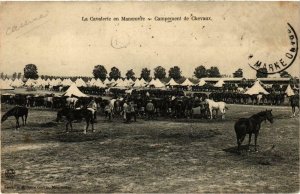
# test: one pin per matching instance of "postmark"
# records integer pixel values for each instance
(120, 41)
(282, 62)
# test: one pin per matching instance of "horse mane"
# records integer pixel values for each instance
(260, 114)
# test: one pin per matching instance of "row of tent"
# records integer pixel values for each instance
(8, 84)
(97, 82)
(255, 89)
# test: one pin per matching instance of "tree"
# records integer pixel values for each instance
(130, 74)
(100, 72)
(19, 75)
(159, 72)
(145, 74)
(285, 74)
(200, 72)
(238, 73)
(175, 72)
(262, 72)
(14, 75)
(2, 75)
(114, 73)
(30, 71)
(213, 72)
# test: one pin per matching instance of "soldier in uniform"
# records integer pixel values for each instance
(150, 109)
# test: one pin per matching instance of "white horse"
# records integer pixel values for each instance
(212, 105)
(71, 101)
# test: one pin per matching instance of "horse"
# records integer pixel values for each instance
(294, 103)
(212, 105)
(76, 114)
(17, 112)
(71, 102)
(251, 125)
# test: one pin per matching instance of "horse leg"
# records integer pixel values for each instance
(256, 135)
(92, 123)
(67, 127)
(23, 120)
(26, 118)
(250, 134)
(17, 123)
(87, 126)
(240, 140)
(210, 111)
(71, 126)
(293, 111)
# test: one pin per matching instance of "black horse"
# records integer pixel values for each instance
(18, 111)
(251, 125)
(76, 114)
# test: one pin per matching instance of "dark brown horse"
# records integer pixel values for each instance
(251, 125)
(76, 114)
(18, 111)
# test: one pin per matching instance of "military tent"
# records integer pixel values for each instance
(4, 85)
(219, 84)
(172, 82)
(289, 91)
(187, 82)
(256, 89)
(202, 82)
(74, 91)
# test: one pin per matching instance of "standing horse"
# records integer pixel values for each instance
(212, 105)
(251, 125)
(76, 114)
(17, 112)
(71, 102)
(294, 103)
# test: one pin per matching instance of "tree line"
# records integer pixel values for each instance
(99, 71)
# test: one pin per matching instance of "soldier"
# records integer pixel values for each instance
(125, 107)
(150, 109)
(92, 106)
(133, 110)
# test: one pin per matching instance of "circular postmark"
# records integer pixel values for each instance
(281, 63)
(120, 40)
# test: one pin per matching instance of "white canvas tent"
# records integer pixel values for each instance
(289, 91)
(91, 83)
(156, 83)
(256, 89)
(202, 82)
(73, 90)
(4, 85)
(220, 83)
(139, 83)
(17, 83)
(99, 83)
(187, 82)
(172, 82)
(30, 82)
(80, 83)
(67, 82)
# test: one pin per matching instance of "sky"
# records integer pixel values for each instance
(53, 36)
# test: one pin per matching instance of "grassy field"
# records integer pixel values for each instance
(163, 155)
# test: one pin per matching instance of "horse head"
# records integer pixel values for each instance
(60, 114)
(269, 116)
(4, 117)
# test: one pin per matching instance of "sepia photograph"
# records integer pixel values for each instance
(149, 97)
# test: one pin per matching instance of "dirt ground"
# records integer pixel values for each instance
(163, 155)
